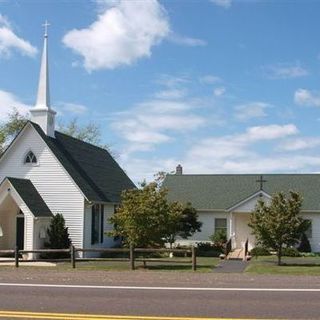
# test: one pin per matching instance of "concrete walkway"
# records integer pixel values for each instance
(231, 266)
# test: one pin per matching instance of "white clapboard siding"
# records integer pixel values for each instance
(107, 241)
(208, 219)
(315, 225)
(28, 227)
(50, 179)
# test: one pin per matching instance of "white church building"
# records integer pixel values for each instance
(44, 172)
(225, 201)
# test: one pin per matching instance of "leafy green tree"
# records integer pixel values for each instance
(58, 236)
(146, 218)
(219, 239)
(279, 224)
(173, 222)
(183, 222)
(142, 216)
(10, 128)
(89, 133)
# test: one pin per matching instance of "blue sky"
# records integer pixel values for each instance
(220, 86)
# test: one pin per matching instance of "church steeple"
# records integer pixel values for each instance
(41, 113)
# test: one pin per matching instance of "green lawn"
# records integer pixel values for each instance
(203, 265)
(291, 266)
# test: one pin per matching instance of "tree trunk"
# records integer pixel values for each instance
(279, 255)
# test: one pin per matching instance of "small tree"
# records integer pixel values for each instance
(142, 216)
(279, 224)
(89, 132)
(58, 236)
(15, 122)
(304, 245)
(10, 128)
(146, 218)
(182, 222)
(219, 239)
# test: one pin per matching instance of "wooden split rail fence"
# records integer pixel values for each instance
(133, 255)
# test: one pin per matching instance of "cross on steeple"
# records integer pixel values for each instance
(261, 181)
(46, 25)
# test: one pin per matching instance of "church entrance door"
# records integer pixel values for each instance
(20, 232)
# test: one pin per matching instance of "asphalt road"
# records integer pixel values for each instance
(197, 296)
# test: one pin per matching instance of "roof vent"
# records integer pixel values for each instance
(179, 169)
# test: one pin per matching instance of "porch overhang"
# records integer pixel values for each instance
(258, 194)
(24, 194)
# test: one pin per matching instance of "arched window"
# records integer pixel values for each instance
(30, 158)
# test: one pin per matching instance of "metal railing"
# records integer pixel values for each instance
(228, 247)
(246, 249)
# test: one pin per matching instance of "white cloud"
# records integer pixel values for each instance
(9, 41)
(186, 41)
(210, 79)
(251, 110)
(8, 101)
(154, 122)
(302, 143)
(125, 32)
(237, 153)
(222, 3)
(237, 145)
(142, 168)
(74, 108)
(285, 71)
(172, 82)
(305, 97)
(171, 94)
(220, 91)
(269, 132)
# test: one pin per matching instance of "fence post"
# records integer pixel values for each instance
(194, 258)
(131, 257)
(16, 256)
(73, 256)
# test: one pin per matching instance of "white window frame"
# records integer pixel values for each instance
(33, 164)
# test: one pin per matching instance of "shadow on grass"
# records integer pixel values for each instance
(299, 265)
(176, 267)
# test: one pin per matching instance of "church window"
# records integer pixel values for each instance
(97, 223)
(220, 224)
(30, 158)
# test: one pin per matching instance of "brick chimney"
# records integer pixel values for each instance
(179, 170)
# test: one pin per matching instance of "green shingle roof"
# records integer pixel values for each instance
(31, 197)
(93, 169)
(221, 191)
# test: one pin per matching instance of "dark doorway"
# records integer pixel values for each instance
(20, 232)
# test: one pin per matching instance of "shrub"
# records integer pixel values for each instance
(291, 252)
(206, 249)
(304, 245)
(182, 254)
(219, 240)
(58, 237)
(309, 254)
(259, 251)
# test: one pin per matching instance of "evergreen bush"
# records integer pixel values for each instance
(219, 239)
(304, 245)
(291, 252)
(259, 251)
(58, 237)
(206, 249)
